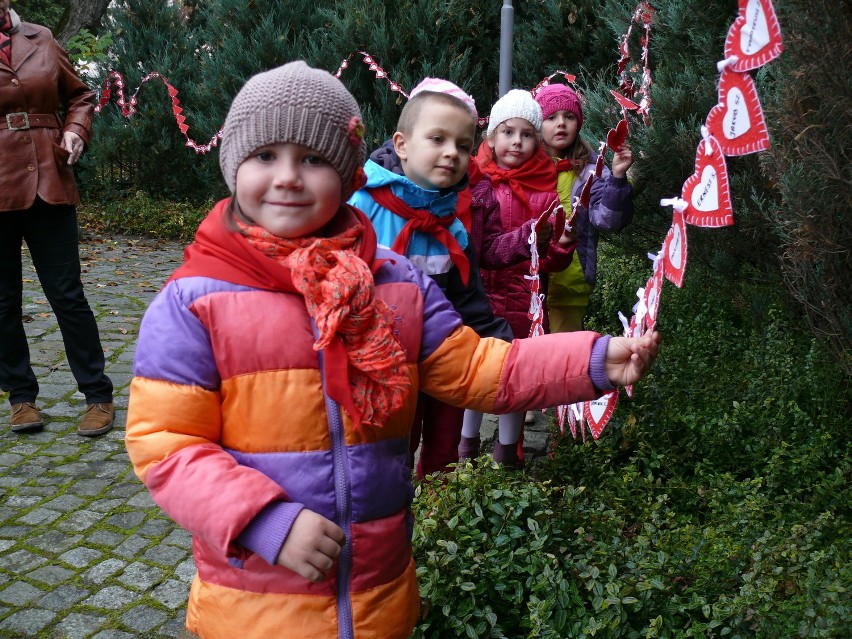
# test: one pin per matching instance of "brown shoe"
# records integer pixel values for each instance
(25, 417)
(97, 420)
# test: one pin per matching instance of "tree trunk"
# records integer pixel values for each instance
(82, 14)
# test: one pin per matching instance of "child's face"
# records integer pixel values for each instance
(513, 142)
(559, 130)
(288, 190)
(436, 153)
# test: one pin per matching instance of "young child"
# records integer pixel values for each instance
(518, 187)
(414, 181)
(277, 371)
(610, 204)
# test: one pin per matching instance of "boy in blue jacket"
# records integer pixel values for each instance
(411, 197)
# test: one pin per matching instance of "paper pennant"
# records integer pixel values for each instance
(599, 163)
(586, 193)
(706, 191)
(737, 120)
(755, 36)
(674, 250)
(599, 411)
(624, 102)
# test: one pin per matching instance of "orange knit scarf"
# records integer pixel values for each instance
(338, 289)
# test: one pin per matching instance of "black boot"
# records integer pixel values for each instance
(468, 448)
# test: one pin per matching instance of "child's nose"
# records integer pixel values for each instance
(288, 176)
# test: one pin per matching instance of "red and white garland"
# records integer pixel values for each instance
(735, 126)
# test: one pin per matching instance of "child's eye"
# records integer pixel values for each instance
(527, 134)
(265, 156)
(313, 159)
(437, 139)
(464, 148)
(551, 117)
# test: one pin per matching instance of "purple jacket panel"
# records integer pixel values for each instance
(610, 209)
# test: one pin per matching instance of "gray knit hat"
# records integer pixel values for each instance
(517, 103)
(298, 104)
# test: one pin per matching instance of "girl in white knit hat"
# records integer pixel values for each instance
(518, 187)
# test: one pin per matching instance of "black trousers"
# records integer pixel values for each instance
(51, 234)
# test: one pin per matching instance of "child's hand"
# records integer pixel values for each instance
(568, 237)
(629, 358)
(312, 546)
(621, 161)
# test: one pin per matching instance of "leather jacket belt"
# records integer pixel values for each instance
(22, 120)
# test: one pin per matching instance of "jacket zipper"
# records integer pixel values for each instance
(344, 507)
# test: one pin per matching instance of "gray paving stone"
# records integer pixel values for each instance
(171, 593)
(99, 573)
(26, 622)
(166, 555)
(143, 619)
(41, 516)
(111, 598)
(77, 626)
(80, 557)
(54, 541)
(51, 575)
(141, 576)
(22, 561)
(185, 570)
(113, 634)
(20, 593)
(128, 520)
(63, 597)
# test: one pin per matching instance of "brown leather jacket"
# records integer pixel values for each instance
(39, 82)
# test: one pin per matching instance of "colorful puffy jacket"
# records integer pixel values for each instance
(231, 429)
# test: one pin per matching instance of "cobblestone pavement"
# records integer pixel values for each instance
(84, 551)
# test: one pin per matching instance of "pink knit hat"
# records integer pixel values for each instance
(559, 97)
(445, 86)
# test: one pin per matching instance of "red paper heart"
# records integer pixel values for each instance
(737, 120)
(755, 36)
(674, 250)
(651, 298)
(706, 191)
(616, 137)
(598, 412)
(624, 102)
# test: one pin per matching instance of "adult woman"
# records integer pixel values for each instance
(37, 205)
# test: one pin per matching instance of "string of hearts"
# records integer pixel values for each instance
(735, 126)
(129, 107)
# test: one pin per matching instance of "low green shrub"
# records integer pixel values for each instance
(138, 213)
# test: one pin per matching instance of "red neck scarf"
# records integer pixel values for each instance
(563, 165)
(536, 174)
(425, 222)
(5, 40)
(365, 365)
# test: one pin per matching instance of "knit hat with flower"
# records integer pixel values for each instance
(517, 103)
(298, 104)
(559, 97)
(445, 86)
